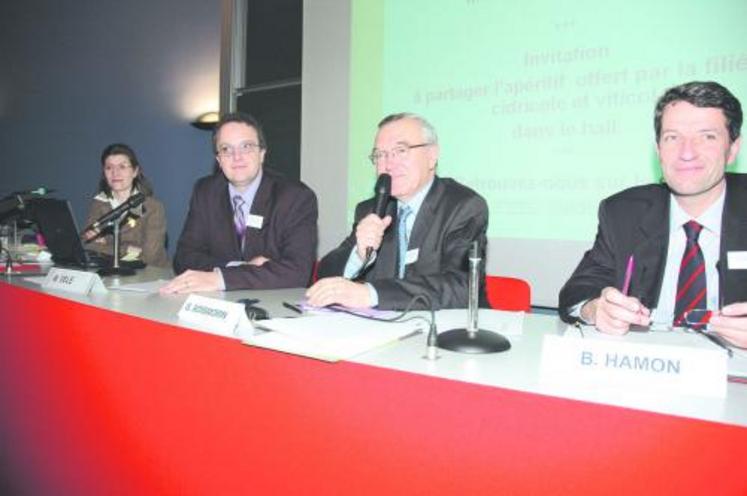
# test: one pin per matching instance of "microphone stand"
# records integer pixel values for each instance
(472, 339)
(116, 269)
(8, 261)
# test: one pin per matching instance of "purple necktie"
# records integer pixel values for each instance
(239, 220)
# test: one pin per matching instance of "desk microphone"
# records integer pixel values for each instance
(472, 339)
(40, 191)
(382, 190)
(132, 202)
(17, 201)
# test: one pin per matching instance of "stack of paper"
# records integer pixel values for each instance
(331, 337)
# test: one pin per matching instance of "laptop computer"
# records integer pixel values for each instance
(57, 224)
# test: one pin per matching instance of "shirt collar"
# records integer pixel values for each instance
(417, 200)
(250, 192)
(710, 219)
(103, 197)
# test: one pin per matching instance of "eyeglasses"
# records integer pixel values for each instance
(695, 321)
(245, 148)
(399, 152)
(692, 321)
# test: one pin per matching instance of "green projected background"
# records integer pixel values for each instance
(544, 107)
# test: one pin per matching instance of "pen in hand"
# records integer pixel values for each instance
(628, 275)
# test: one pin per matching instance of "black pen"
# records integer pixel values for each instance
(293, 307)
(248, 301)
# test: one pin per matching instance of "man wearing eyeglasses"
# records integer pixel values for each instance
(421, 245)
(247, 227)
(674, 253)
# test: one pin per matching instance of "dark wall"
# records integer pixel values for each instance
(75, 76)
(272, 86)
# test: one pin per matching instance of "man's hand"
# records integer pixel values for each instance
(370, 232)
(192, 281)
(90, 234)
(338, 290)
(731, 323)
(614, 313)
(258, 261)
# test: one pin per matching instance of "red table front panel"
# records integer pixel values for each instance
(96, 402)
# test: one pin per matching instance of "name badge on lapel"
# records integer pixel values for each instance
(412, 256)
(736, 260)
(254, 221)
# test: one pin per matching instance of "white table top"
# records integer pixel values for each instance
(517, 369)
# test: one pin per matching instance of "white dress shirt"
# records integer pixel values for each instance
(355, 263)
(710, 244)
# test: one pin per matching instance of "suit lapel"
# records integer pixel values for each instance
(423, 221)
(261, 206)
(225, 221)
(733, 238)
(387, 261)
(426, 215)
(650, 250)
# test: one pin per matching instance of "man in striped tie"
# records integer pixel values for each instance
(667, 254)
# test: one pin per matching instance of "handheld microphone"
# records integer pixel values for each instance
(132, 202)
(382, 190)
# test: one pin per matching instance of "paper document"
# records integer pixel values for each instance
(141, 287)
(35, 279)
(331, 337)
(368, 312)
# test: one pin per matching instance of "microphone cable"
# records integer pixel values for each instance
(432, 338)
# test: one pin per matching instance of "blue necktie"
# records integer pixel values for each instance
(238, 218)
(403, 238)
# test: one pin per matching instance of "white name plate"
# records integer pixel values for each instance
(74, 281)
(220, 317)
(579, 363)
(736, 260)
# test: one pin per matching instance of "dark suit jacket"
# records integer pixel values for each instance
(450, 218)
(636, 221)
(288, 236)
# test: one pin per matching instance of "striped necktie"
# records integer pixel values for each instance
(691, 283)
(239, 220)
(403, 237)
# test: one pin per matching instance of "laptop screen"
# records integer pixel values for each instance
(57, 224)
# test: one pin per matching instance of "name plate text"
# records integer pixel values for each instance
(220, 317)
(581, 363)
(74, 281)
